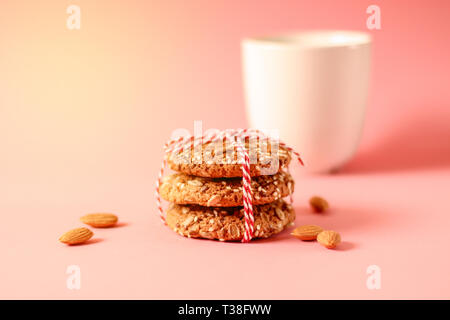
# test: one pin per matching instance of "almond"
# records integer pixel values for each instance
(100, 220)
(76, 236)
(329, 239)
(318, 204)
(307, 232)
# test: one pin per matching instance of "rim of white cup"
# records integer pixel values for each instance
(312, 39)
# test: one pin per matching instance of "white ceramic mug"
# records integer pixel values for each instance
(311, 86)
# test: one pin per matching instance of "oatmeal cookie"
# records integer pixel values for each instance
(221, 159)
(224, 192)
(227, 224)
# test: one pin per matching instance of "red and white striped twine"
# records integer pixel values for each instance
(237, 138)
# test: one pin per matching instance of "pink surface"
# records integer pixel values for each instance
(84, 114)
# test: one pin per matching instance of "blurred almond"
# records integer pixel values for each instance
(329, 239)
(318, 204)
(100, 220)
(307, 232)
(76, 236)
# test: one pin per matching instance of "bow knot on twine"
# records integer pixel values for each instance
(236, 138)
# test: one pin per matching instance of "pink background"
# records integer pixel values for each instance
(84, 115)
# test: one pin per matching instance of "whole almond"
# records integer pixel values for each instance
(100, 220)
(307, 232)
(318, 204)
(76, 236)
(329, 239)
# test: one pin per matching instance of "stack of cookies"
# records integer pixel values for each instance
(206, 192)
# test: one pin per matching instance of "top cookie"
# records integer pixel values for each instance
(221, 160)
